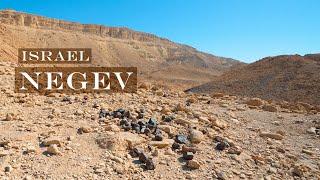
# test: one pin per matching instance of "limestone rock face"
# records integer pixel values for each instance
(157, 58)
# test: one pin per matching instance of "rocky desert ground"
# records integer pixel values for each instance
(162, 131)
(154, 134)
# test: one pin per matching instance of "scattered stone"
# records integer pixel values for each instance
(181, 139)
(135, 152)
(300, 170)
(53, 149)
(183, 122)
(168, 118)
(222, 145)
(165, 110)
(103, 113)
(235, 150)
(120, 141)
(169, 152)
(9, 117)
(275, 136)
(188, 155)
(175, 146)
(218, 123)
(150, 164)
(196, 136)
(193, 164)
(112, 127)
(180, 107)
(30, 149)
(4, 153)
(222, 176)
(84, 129)
(143, 157)
(306, 151)
(52, 140)
(8, 169)
(312, 130)
(162, 144)
(189, 149)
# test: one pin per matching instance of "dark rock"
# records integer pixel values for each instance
(141, 123)
(188, 156)
(147, 131)
(117, 114)
(122, 111)
(158, 137)
(95, 105)
(189, 149)
(126, 127)
(152, 123)
(66, 99)
(140, 116)
(168, 118)
(135, 152)
(175, 146)
(143, 157)
(124, 122)
(149, 164)
(181, 139)
(103, 113)
(126, 114)
(222, 145)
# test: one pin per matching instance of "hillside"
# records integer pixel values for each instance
(157, 58)
(291, 78)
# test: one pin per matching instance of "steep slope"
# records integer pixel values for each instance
(157, 58)
(291, 78)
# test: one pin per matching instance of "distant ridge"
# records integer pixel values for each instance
(292, 78)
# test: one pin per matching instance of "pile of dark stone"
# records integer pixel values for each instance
(138, 124)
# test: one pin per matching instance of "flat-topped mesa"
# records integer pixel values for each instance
(12, 17)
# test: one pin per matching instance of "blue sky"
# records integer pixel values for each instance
(242, 29)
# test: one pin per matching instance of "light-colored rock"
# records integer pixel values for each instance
(162, 144)
(165, 110)
(9, 117)
(166, 128)
(4, 153)
(53, 140)
(120, 141)
(53, 149)
(196, 136)
(193, 164)
(85, 129)
(112, 127)
(312, 130)
(275, 136)
(218, 123)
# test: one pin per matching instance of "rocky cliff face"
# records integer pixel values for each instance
(156, 58)
(22, 19)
